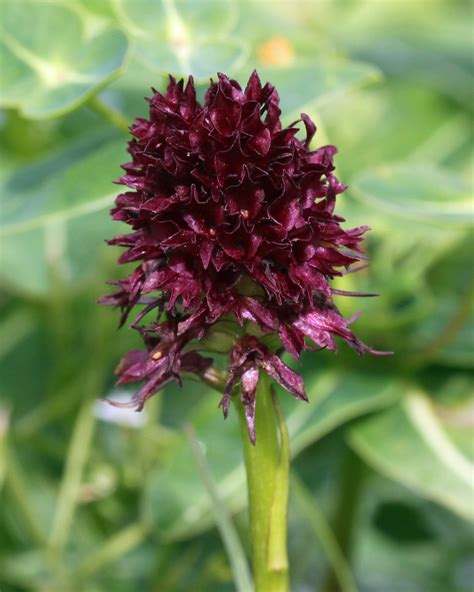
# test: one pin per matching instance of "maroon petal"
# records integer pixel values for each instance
(285, 212)
(253, 89)
(292, 340)
(286, 377)
(310, 128)
(249, 381)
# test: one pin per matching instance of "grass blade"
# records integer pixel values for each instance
(76, 459)
(324, 534)
(230, 538)
(117, 546)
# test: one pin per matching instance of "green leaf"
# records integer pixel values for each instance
(417, 191)
(177, 515)
(459, 351)
(74, 249)
(167, 498)
(396, 528)
(101, 9)
(25, 568)
(164, 19)
(344, 399)
(228, 532)
(58, 189)
(184, 37)
(22, 263)
(323, 532)
(53, 214)
(411, 444)
(51, 60)
(15, 326)
(115, 548)
(448, 335)
(305, 84)
(203, 59)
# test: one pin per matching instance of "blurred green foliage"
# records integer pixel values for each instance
(385, 447)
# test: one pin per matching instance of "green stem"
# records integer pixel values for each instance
(277, 552)
(110, 114)
(267, 465)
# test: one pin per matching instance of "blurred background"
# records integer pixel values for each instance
(382, 492)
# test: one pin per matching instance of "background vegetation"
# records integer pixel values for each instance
(382, 495)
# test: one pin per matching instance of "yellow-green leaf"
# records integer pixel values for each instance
(51, 59)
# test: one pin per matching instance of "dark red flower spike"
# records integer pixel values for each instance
(232, 221)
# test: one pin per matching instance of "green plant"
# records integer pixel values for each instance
(94, 505)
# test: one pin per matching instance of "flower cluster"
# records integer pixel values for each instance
(233, 226)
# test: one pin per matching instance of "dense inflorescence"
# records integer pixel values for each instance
(234, 226)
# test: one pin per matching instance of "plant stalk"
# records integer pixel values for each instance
(110, 114)
(267, 466)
